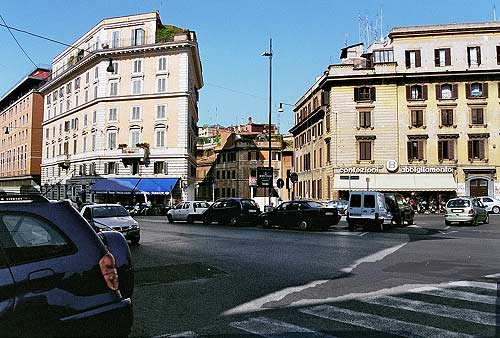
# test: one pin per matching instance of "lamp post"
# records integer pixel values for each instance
(269, 54)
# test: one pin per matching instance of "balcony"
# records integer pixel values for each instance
(64, 161)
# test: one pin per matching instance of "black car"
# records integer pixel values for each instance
(302, 214)
(57, 276)
(232, 211)
(401, 211)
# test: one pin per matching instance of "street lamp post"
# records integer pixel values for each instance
(269, 54)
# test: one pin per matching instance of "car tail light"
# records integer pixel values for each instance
(108, 268)
(471, 212)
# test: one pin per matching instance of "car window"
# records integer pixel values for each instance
(460, 203)
(27, 238)
(248, 204)
(313, 204)
(186, 205)
(109, 211)
(355, 200)
(203, 205)
(487, 199)
(292, 206)
(87, 213)
(369, 201)
(282, 206)
(179, 206)
(390, 202)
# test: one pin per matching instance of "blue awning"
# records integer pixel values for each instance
(150, 186)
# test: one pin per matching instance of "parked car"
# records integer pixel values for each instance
(466, 210)
(57, 276)
(368, 209)
(401, 211)
(232, 211)
(491, 204)
(302, 214)
(189, 211)
(112, 217)
(341, 206)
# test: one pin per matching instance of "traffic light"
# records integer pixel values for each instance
(288, 173)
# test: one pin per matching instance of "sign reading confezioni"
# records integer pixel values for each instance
(392, 166)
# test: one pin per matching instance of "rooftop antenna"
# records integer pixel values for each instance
(494, 13)
(381, 22)
(345, 39)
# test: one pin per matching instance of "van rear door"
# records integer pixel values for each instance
(355, 205)
(369, 202)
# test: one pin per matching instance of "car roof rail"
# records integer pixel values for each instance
(22, 198)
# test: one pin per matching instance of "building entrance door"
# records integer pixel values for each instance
(478, 187)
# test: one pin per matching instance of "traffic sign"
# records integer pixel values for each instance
(265, 176)
(294, 177)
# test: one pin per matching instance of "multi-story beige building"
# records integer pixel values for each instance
(121, 111)
(21, 112)
(416, 113)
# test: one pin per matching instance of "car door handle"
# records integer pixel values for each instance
(42, 280)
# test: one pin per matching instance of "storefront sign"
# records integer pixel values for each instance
(359, 170)
(426, 170)
(392, 166)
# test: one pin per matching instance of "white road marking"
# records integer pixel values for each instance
(362, 234)
(266, 327)
(345, 233)
(374, 322)
(468, 315)
(447, 227)
(413, 226)
(187, 334)
(257, 304)
(456, 294)
(377, 256)
(481, 285)
(495, 275)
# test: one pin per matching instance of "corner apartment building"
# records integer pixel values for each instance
(416, 113)
(121, 112)
(21, 113)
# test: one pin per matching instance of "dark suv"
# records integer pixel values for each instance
(401, 211)
(57, 276)
(232, 211)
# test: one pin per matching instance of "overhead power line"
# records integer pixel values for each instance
(21, 47)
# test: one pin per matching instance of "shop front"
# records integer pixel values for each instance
(427, 188)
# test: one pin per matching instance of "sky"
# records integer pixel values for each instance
(307, 37)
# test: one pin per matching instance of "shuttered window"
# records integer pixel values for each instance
(413, 59)
(446, 150)
(417, 118)
(476, 149)
(477, 116)
(365, 150)
(364, 94)
(365, 119)
(447, 117)
(442, 57)
(415, 150)
(474, 56)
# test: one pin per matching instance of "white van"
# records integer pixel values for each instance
(368, 208)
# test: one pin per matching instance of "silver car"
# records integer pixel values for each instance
(465, 210)
(492, 204)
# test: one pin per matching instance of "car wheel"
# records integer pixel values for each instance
(380, 226)
(303, 225)
(410, 221)
(170, 219)
(233, 221)
(495, 210)
(399, 222)
(136, 240)
(265, 224)
(190, 219)
(487, 219)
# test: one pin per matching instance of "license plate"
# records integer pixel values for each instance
(253, 211)
(457, 210)
(329, 213)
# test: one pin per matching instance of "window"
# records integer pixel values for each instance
(68, 88)
(137, 66)
(413, 59)
(96, 72)
(161, 112)
(417, 118)
(95, 92)
(364, 94)
(85, 120)
(77, 83)
(446, 91)
(115, 68)
(474, 56)
(159, 167)
(87, 77)
(381, 56)
(162, 64)
(115, 43)
(447, 117)
(446, 150)
(136, 114)
(365, 150)
(112, 136)
(365, 119)
(477, 116)
(136, 86)
(94, 117)
(28, 238)
(476, 148)
(476, 90)
(86, 96)
(416, 92)
(135, 136)
(113, 114)
(113, 88)
(415, 150)
(137, 37)
(84, 144)
(161, 84)
(160, 137)
(442, 57)
(94, 141)
(369, 201)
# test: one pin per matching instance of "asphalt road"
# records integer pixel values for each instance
(425, 280)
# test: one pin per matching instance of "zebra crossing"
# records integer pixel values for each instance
(462, 309)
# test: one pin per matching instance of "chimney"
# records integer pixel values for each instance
(250, 120)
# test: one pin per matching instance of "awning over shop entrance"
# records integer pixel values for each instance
(397, 182)
(150, 186)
